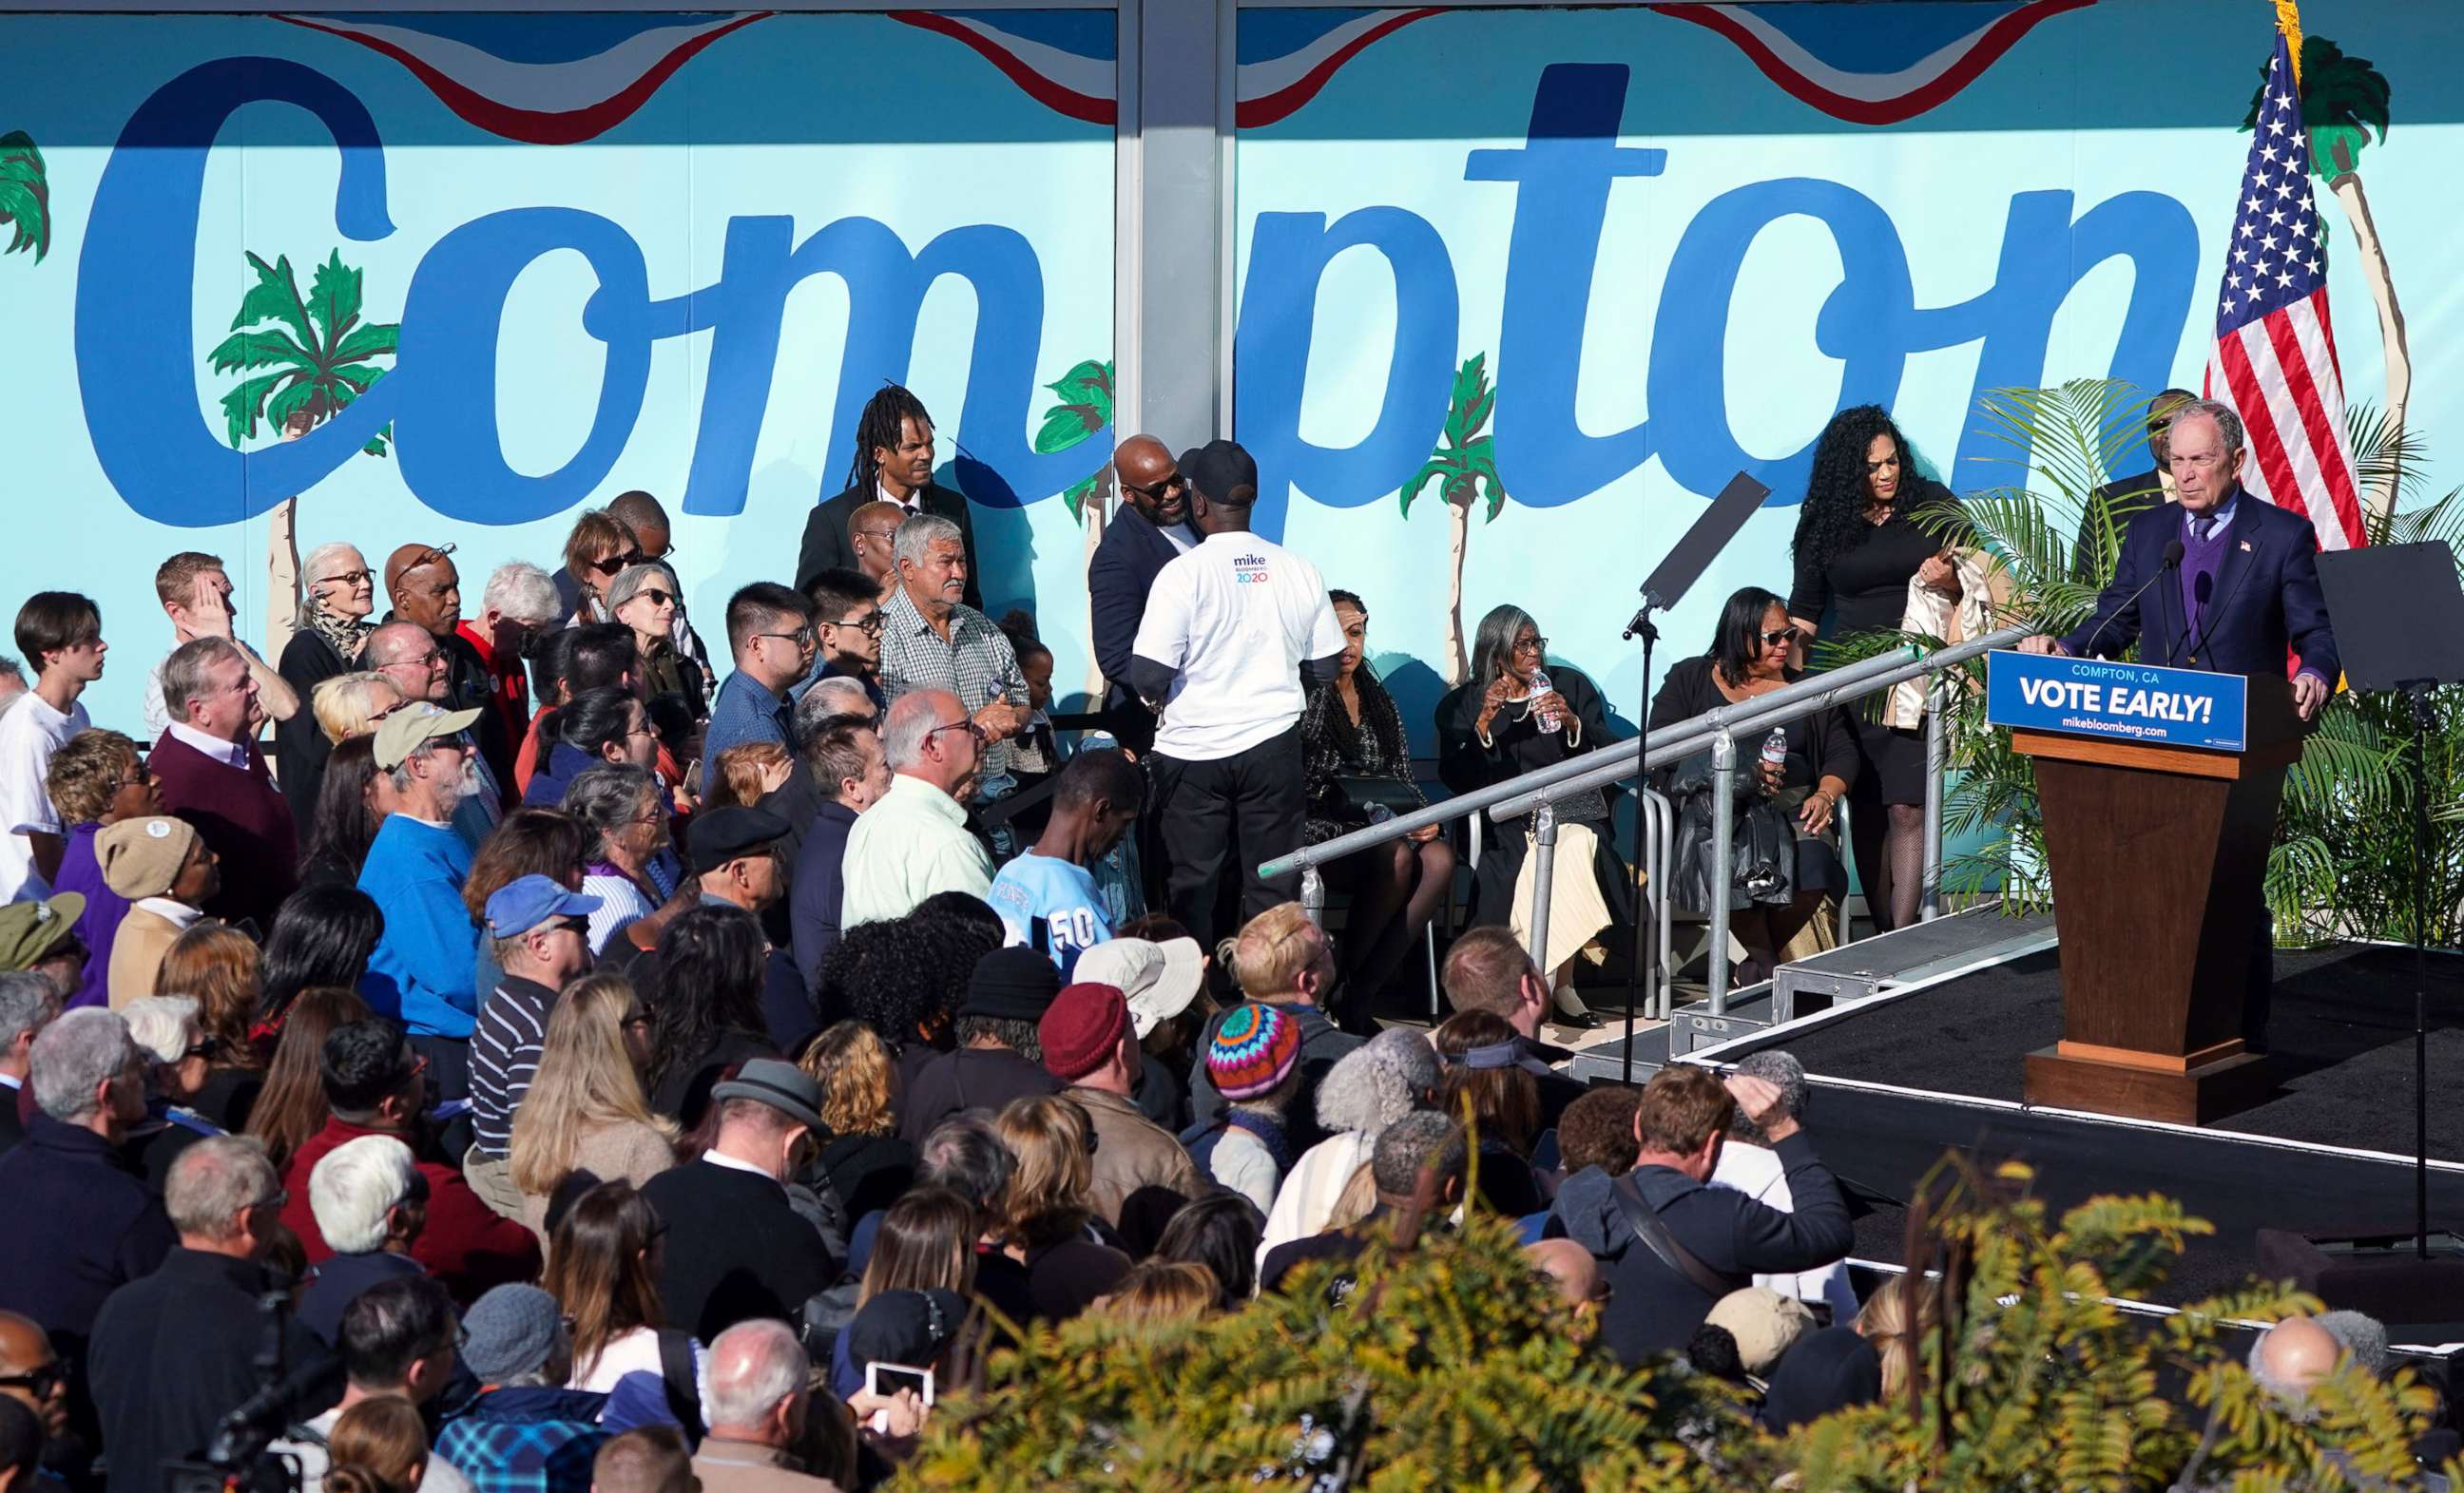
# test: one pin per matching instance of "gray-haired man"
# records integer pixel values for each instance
(931, 639)
(1748, 1164)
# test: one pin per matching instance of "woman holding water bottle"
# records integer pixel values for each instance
(1806, 765)
(1514, 714)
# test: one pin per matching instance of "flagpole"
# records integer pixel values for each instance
(2288, 20)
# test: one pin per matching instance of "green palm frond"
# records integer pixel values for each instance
(1465, 465)
(25, 195)
(1085, 407)
(2384, 453)
(2073, 438)
(317, 342)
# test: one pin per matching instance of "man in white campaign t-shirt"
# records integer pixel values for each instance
(1230, 629)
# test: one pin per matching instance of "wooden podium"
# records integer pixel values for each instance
(2157, 855)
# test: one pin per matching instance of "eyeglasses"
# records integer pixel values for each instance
(136, 779)
(278, 1200)
(870, 623)
(968, 726)
(39, 1381)
(1532, 645)
(346, 578)
(1772, 640)
(802, 637)
(208, 1048)
(612, 565)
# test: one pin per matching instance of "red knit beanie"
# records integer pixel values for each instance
(1082, 1030)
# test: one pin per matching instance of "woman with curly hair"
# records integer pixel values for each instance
(866, 1162)
(1858, 546)
(220, 967)
(1356, 768)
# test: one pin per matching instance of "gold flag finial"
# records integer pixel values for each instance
(2288, 20)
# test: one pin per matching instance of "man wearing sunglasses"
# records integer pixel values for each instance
(1150, 530)
(31, 1373)
(894, 464)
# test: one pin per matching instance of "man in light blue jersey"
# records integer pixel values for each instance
(1048, 896)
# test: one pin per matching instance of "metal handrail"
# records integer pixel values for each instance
(1537, 791)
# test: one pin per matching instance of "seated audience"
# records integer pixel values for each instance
(867, 1163)
(94, 780)
(172, 1352)
(524, 1432)
(1421, 1144)
(1282, 959)
(1356, 768)
(167, 872)
(999, 1053)
(292, 1107)
(735, 1247)
(1088, 1045)
(370, 1203)
(1483, 1072)
(1748, 1164)
(376, 1085)
(1371, 1087)
(1047, 1218)
(585, 1110)
(209, 772)
(1253, 1061)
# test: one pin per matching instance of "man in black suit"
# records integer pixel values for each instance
(28, 1002)
(2127, 497)
(1142, 537)
(893, 463)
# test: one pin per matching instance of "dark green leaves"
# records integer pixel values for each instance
(2344, 99)
(317, 342)
(25, 195)
(1085, 407)
(1465, 465)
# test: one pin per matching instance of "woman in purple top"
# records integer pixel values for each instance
(96, 780)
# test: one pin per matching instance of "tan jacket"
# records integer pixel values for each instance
(137, 952)
(749, 1467)
(1132, 1151)
(626, 1151)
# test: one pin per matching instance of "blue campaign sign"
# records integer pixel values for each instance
(2133, 702)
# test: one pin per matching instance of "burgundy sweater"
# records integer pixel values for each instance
(243, 819)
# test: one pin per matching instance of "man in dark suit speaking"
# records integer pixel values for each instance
(893, 463)
(2245, 588)
(2219, 581)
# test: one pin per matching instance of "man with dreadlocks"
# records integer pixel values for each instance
(894, 464)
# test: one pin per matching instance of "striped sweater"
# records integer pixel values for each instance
(504, 1056)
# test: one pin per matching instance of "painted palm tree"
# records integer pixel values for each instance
(25, 195)
(1086, 408)
(1464, 468)
(2344, 99)
(317, 345)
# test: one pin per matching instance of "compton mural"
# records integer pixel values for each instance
(1516, 288)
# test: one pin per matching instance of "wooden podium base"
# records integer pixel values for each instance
(2193, 1089)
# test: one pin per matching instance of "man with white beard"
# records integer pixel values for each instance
(425, 971)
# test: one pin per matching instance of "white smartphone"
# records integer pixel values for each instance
(885, 1380)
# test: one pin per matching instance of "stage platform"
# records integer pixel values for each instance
(1905, 1075)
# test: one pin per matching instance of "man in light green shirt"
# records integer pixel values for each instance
(914, 841)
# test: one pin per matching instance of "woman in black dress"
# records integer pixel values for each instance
(1748, 656)
(1513, 716)
(1350, 729)
(334, 626)
(1857, 549)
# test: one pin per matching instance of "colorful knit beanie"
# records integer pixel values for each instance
(1253, 1051)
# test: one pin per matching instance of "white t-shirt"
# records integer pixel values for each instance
(1757, 1172)
(635, 1352)
(28, 735)
(1234, 619)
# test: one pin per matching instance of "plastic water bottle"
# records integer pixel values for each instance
(1776, 748)
(1550, 719)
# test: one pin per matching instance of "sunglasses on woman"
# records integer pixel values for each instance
(614, 565)
(658, 598)
(1785, 635)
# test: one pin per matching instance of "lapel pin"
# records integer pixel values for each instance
(2245, 546)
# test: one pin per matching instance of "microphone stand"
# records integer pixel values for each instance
(1640, 958)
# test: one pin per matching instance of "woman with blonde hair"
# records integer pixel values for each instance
(586, 1109)
(1163, 1291)
(379, 1445)
(1047, 1222)
(1896, 1320)
(351, 705)
(869, 1166)
(746, 771)
(218, 966)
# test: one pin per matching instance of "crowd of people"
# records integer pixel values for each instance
(569, 1056)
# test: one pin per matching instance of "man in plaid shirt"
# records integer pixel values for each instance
(525, 1433)
(932, 640)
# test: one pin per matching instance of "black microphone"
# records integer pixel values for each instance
(2173, 562)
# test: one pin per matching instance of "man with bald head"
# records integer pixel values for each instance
(427, 589)
(914, 841)
(31, 1373)
(2292, 1356)
(1145, 533)
(872, 534)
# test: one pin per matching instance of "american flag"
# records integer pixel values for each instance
(2274, 358)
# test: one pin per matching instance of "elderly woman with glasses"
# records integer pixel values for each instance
(1749, 656)
(646, 598)
(625, 814)
(341, 592)
(1514, 715)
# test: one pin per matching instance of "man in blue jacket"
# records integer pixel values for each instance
(849, 773)
(1140, 540)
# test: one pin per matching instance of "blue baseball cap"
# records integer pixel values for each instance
(525, 902)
